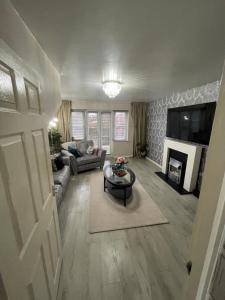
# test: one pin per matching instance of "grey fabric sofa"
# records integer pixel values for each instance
(87, 161)
(61, 180)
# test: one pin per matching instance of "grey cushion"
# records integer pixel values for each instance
(83, 146)
(67, 144)
(62, 176)
(87, 159)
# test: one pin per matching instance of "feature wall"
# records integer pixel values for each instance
(157, 114)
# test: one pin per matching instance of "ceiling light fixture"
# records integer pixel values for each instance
(112, 88)
(53, 123)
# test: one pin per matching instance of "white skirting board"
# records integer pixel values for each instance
(155, 163)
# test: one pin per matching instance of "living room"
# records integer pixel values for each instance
(112, 150)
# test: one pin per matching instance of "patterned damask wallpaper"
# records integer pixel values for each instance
(157, 114)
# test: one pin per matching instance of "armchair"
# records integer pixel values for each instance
(86, 161)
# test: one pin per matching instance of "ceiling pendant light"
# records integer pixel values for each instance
(111, 88)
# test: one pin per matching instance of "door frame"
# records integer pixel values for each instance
(210, 217)
(214, 248)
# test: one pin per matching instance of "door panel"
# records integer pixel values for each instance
(40, 157)
(17, 184)
(39, 287)
(53, 245)
(7, 87)
(3, 295)
(32, 94)
(30, 248)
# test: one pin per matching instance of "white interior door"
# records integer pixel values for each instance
(30, 245)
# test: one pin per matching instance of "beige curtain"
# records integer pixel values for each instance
(63, 116)
(138, 113)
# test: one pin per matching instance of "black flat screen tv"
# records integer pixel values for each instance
(191, 123)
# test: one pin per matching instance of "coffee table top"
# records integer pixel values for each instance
(127, 180)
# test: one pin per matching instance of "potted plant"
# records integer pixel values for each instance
(142, 150)
(54, 138)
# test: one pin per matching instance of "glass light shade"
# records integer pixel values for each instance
(52, 124)
(112, 88)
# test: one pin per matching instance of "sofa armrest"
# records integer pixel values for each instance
(72, 160)
(66, 153)
(102, 154)
(66, 160)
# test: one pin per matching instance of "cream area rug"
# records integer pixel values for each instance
(107, 213)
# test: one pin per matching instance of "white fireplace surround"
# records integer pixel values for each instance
(193, 152)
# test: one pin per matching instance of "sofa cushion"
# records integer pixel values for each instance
(87, 159)
(62, 176)
(90, 150)
(67, 144)
(74, 151)
(83, 146)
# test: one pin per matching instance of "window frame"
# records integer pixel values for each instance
(127, 123)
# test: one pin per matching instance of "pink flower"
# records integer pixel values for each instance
(121, 160)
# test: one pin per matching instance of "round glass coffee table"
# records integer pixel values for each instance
(119, 187)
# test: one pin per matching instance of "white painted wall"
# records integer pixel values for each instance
(118, 148)
(15, 33)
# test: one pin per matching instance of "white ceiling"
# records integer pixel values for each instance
(159, 46)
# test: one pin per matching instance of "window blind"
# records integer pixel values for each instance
(77, 125)
(93, 128)
(121, 126)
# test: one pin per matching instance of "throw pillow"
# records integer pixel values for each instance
(90, 150)
(68, 144)
(74, 151)
(82, 147)
(59, 163)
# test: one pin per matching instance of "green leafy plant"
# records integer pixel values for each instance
(54, 138)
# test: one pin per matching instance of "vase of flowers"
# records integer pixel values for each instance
(119, 167)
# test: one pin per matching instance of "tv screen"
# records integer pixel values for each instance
(191, 123)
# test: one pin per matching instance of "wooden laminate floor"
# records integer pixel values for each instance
(138, 263)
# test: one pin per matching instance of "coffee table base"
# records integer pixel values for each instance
(122, 193)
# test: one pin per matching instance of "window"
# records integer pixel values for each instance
(97, 126)
(106, 131)
(93, 128)
(77, 125)
(121, 125)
